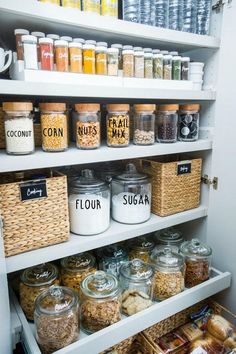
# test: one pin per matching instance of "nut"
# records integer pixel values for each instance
(88, 134)
(142, 137)
(167, 284)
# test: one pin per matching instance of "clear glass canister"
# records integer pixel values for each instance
(136, 279)
(89, 205)
(185, 68)
(100, 301)
(131, 196)
(118, 125)
(112, 61)
(56, 318)
(33, 282)
(148, 63)
(157, 64)
(128, 61)
(101, 59)
(141, 248)
(62, 55)
(169, 273)
(71, 3)
(30, 51)
(144, 124)
(109, 8)
(198, 262)
(169, 237)
(88, 126)
(91, 6)
(176, 67)
(188, 126)
(19, 131)
(75, 53)
(54, 125)
(167, 123)
(120, 57)
(138, 62)
(89, 66)
(111, 259)
(167, 67)
(75, 268)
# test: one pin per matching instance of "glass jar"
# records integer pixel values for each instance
(38, 35)
(185, 68)
(108, 170)
(120, 56)
(88, 126)
(30, 51)
(169, 237)
(71, 3)
(19, 130)
(110, 8)
(117, 125)
(138, 62)
(176, 67)
(100, 301)
(167, 123)
(141, 248)
(62, 55)
(198, 262)
(75, 268)
(157, 64)
(112, 61)
(131, 196)
(148, 63)
(89, 58)
(91, 6)
(188, 126)
(89, 205)
(33, 282)
(169, 273)
(56, 318)
(167, 67)
(54, 126)
(55, 2)
(128, 61)
(76, 62)
(144, 124)
(19, 45)
(111, 259)
(101, 59)
(46, 53)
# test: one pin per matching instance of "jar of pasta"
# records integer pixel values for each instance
(101, 58)
(62, 55)
(75, 268)
(33, 282)
(76, 62)
(118, 125)
(128, 61)
(54, 126)
(89, 57)
(141, 248)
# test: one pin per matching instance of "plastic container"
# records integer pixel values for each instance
(75, 4)
(144, 124)
(128, 61)
(161, 13)
(188, 126)
(131, 10)
(176, 67)
(111, 259)
(167, 67)
(91, 6)
(145, 15)
(62, 55)
(169, 237)
(101, 59)
(120, 57)
(157, 64)
(30, 51)
(138, 62)
(148, 63)
(46, 54)
(109, 8)
(76, 57)
(112, 61)
(19, 45)
(38, 35)
(175, 14)
(203, 16)
(189, 15)
(89, 58)
(141, 248)
(117, 122)
(185, 61)
(167, 123)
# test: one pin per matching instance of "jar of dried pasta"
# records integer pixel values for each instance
(118, 125)
(54, 125)
(88, 130)
(141, 248)
(101, 58)
(33, 282)
(128, 61)
(89, 57)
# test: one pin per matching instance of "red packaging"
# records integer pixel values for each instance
(46, 54)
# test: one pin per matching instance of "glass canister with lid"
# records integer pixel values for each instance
(56, 318)
(118, 125)
(188, 125)
(141, 248)
(111, 259)
(75, 268)
(136, 278)
(167, 123)
(144, 124)
(169, 237)
(198, 262)
(33, 282)
(89, 204)
(131, 196)
(100, 301)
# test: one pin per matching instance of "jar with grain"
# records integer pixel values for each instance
(56, 318)
(46, 53)
(19, 45)
(91, 6)
(169, 237)
(111, 259)
(198, 262)
(30, 51)
(136, 279)
(144, 124)
(167, 67)
(19, 130)
(75, 54)
(75, 4)
(128, 61)
(112, 61)
(141, 248)
(101, 58)
(148, 63)
(169, 273)
(188, 126)
(75, 268)
(138, 62)
(89, 57)
(100, 301)
(62, 55)
(157, 64)
(54, 125)
(118, 125)
(120, 56)
(167, 123)
(33, 282)
(109, 8)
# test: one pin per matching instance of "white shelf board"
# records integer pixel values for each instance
(129, 326)
(74, 156)
(116, 233)
(54, 19)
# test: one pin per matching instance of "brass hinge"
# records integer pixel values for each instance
(210, 182)
(218, 5)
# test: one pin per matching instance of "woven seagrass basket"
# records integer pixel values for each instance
(2, 130)
(127, 346)
(37, 135)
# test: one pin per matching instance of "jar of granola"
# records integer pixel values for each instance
(141, 248)
(118, 125)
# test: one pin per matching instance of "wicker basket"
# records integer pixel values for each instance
(37, 135)
(34, 223)
(127, 346)
(175, 185)
(2, 130)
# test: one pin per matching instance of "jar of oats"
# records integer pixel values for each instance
(118, 125)
(54, 125)
(33, 282)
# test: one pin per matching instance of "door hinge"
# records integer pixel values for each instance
(218, 5)
(210, 182)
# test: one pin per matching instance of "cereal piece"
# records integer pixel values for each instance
(167, 284)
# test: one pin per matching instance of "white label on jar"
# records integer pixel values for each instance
(30, 56)
(19, 135)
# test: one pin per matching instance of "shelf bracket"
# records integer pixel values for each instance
(210, 182)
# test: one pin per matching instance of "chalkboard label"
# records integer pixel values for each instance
(33, 190)
(184, 168)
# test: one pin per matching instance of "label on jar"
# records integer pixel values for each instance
(53, 132)
(33, 190)
(136, 199)
(88, 204)
(118, 130)
(184, 168)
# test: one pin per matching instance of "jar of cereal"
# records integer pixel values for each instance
(141, 248)
(118, 125)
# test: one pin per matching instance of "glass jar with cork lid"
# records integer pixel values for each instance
(167, 123)
(118, 125)
(144, 124)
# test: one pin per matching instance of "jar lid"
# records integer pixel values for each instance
(169, 236)
(156, 51)
(45, 40)
(90, 41)
(195, 248)
(79, 40)
(75, 45)
(21, 31)
(66, 38)
(131, 174)
(138, 49)
(136, 270)
(51, 106)
(56, 300)
(185, 59)
(17, 106)
(38, 34)
(113, 50)
(88, 46)
(168, 107)
(42, 274)
(174, 53)
(53, 36)
(189, 107)
(147, 50)
(142, 243)
(26, 38)
(100, 285)
(119, 46)
(127, 51)
(167, 259)
(60, 42)
(127, 47)
(176, 57)
(144, 107)
(104, 49)
(78, 262)
(87, 107)
(115, 252)
(164, 52)
(87, 180)
(167, 56)
(118, 107)
(101, 44)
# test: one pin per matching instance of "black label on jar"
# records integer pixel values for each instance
(33, 190)
(53, 132)
(136, 199)
(184, 168)
(90, 130)
(93, 204)
(19, 133)
(119, 127)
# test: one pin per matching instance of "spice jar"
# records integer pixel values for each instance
(198, 261)
(19, 45)
(167, 121)
(157, 64)
(75, 53)
(188, 126)
(128, 61)
(91, 6)
(131, 196)
(110, 8)
(111, 259)
(19, 131)
(185, 68)
(56, 318)
(88, 133)
(54, 126)
(144, 124)
(68, 39)
(101, 59)
(167, 67)
(100, 301)
(89, 205)
(75, 4)
(62, 56)
(75, 268)
(117, 125)
(137, 286)
(33, 282)
(112, 61)
(141, 248)
(38, 35)
(89, 58)
(169, 237)
(120, 55)
(46, 53)
(138, 62)
(148, 63)
(169, 273)
(30, 51)
(176, 67)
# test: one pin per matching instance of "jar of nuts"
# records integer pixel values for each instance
(118, 125)
(144, 124)
(198, 261)
(166, 123)
(56, 318)
(169, 273)
(141, 248)
(100, 301)
(111, 259)
(33, 282)
(75, 268)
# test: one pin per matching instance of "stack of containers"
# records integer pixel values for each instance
(196, 74)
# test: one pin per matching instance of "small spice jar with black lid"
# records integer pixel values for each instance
(188, 126)
(167, 123)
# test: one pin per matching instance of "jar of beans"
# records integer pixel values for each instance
(166, 123)
(188, 127)
(141, 248)
(144, 124)
(118, 125)
(54, 126)
(87, 129)
(198, 261)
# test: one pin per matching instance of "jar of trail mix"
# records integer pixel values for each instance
(118, 125)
